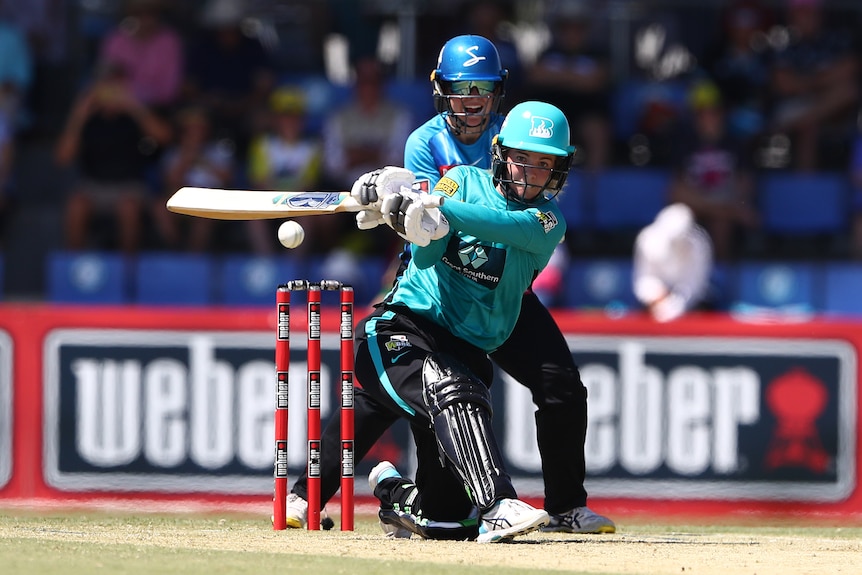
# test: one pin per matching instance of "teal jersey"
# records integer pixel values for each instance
(471, 286)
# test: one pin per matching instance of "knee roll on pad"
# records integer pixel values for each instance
(447, 381)
(460, 408)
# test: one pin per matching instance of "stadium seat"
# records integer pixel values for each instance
(174, 279)
(629, 199)
(364, 273)
(842, 289)
(779, 285)
(88, 277)
(252, 281)
(574, 202)
(721, 283)
(804, 204)
(415, 95)
(600, 283)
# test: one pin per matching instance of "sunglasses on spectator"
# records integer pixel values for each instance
(464, 87)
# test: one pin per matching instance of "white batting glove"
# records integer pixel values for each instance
(415, 216)
(368, 219)
(372, 187)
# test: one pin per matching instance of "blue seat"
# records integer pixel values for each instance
(89, 277)
(364, 273)
(174, 279)
(629, 199)
(842, 289)
(415, 95)
(778, 285)
(252, 281)
(600, 283)
(574, 202)
(721, 286)
(804, 204)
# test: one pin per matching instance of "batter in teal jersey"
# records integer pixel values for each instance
(423, 354)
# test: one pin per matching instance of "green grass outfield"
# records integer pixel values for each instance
(51, 543)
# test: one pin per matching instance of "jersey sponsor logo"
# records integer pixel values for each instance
(541, 127)
(397, 343)
(474, 58)
(548, 220)
(481, 263)
(447, 186)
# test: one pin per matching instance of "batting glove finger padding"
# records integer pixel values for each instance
(368, 219)
(415, 216)
(372, 187)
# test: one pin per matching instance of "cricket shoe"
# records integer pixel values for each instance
(580, 520)
(509, 518)
(389, 519)
(296, 515)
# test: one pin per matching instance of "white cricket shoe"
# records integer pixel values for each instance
(580, 520)
(509, 518)
(296, 514)
(381, 471)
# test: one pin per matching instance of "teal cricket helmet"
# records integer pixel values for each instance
(534, 127)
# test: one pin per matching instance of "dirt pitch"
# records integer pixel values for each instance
(638, 548)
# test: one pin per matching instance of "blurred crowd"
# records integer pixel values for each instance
(169, 94)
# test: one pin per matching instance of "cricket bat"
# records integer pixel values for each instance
(220, 204)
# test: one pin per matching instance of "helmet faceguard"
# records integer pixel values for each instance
(468, 71)
(533, 127)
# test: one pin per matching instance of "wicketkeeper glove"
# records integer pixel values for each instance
(415, 216)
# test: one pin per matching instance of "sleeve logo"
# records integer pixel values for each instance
(548, 220)
(447, 186)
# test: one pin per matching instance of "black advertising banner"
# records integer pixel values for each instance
(670, 417)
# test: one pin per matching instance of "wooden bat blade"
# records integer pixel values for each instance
(220, 204)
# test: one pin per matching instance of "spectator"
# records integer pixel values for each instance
(813, 80)
(16, 73)
(672, 264)
(488, 18)
(575, 76)
(284, 157)
(712, 172)
(740, 68)
(199, 160)
(150, 51)
(112, 135)
(229, 72)
(368, 132)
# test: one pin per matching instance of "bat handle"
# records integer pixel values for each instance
(430, 201)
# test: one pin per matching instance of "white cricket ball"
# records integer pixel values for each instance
(290, 234)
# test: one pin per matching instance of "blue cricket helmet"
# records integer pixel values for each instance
(468, 68)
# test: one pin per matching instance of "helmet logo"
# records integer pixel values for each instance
(474, 58)
(541, 127)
